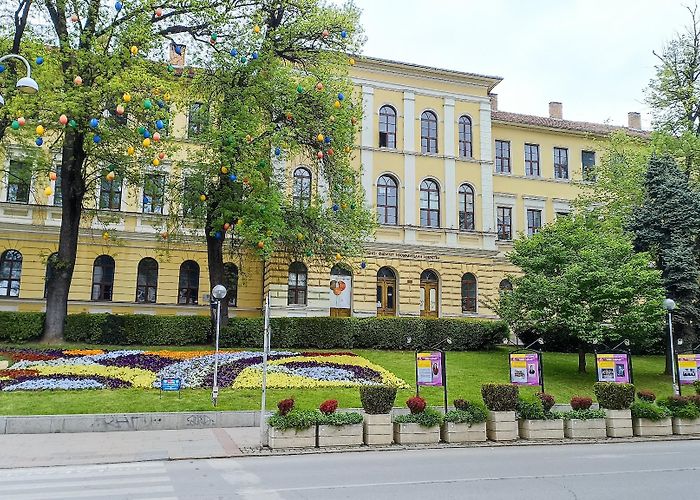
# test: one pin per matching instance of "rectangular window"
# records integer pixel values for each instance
(19, 181)
(57, 193)
(198, 120)
(503, 157)
(532, 160)
(110, 194)
(534, 221)
(561, 163)
(153, 193)
(504, 223)
(587, 162)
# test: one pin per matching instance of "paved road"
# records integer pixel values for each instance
(596, 471)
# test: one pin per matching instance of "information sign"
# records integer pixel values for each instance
(429, 369)
(613, 367)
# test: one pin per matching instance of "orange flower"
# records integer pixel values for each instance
(83, 352)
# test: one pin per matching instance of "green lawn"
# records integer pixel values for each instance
(466, 371)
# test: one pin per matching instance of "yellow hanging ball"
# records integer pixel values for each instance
(166, 97)
(40, 130)
(134, 50)
(338, 256)
(126, 97)
(224, 170)
(202, 197)
(146, 142)
(256, 29)
(300, 237)
(320, 138)
(105, 236)
(110, 176)
(156, 162)
(239, 222)
(351, 61)
(347, 149)
(248, 138)
(48, 191)
(130, 150)
(336, 104)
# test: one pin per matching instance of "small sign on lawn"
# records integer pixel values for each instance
(170, 384)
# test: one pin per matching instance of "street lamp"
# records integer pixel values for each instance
(219, 293)
(670, 305)
(26, 84)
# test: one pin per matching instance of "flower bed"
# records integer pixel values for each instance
(34, 369)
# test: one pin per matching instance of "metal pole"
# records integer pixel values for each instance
(215, 388)
(266, 348)
(676, 390)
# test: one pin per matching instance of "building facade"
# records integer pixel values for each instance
(452, 179)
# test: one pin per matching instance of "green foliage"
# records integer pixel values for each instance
(582, 282)
(532, 408)
(21, 326)
(696, 386)
(342, 418)
(500, 397)
(614, 396)
(583, 414)
(476, 413)
(426, 418)
(680, 407)
(650, 411)
(377, 400)
(295, 419)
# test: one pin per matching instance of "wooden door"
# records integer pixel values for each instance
(429, 299)
(386, 297)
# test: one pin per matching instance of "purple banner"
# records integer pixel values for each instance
(429, 368)
(613, 368)
(525, 368)
(688, 368)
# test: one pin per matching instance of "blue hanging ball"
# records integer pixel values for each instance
(40, 60)
(278, 151)
(327, 139)
(94, 123)
(344, 34)
(39, 141)
(2, 68)
(363, 264)
(178, 49)
(118, 6)
(146, 134)
(160, 104)
(335, 207)
(255, 55)
(341, 96)
(218, 235)
(159, 124)
(232, 177)
(233, 52)
(96, 139)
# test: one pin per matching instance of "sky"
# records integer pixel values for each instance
(594, 56)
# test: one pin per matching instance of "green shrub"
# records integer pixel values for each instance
(377, 399)
(473, 413)
(696, 386)
(614, 396)
(681, 407)
(532, 408)
(347, 418)
(650, 411)
(587, 414)
(21, 326)
(500, 397)
(295, 419)
(426, 418)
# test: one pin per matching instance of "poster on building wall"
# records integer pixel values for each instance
(340, 291)
(613, 367)
(525, 368)
(429, 368)
(688, 368)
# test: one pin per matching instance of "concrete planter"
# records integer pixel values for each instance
(502, 426)
(541, 429)
(684, 426)
(593, 428)
(618, 423)
(646, 427)
(292, 438)
(451, 432)
(378, 429)
(416, 434)
(340, 435)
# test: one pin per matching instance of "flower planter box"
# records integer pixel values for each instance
(416, 434)
(618, 423)
(378, 429)
(593, 428)
(541, 429)
(646, 427)
(340, 435)
(292, 438)
(684, 426)
(502, 426)
(451, 432)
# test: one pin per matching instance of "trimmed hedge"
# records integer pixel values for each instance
(21, 326)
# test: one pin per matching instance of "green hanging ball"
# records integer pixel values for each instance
(300, 89)
(72, 124)
(309, 253)
(147, 104)
(352, 206)
(214, 36)
(141, 130)
(171, 68)
(262, 164)
(15, 125)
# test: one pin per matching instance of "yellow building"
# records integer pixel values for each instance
(452, 179)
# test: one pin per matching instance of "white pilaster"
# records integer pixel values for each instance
(409, 165)
(409, 121)
(450, 167)
(367, 141)
(487, 211)
(449, 110)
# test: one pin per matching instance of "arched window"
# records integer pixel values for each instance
(189, 283)
(50, 271)
(466, 207)
(296, 294)
(429, 284)
(231, 283)
(147, 281)
(10, 273)
(505, 286)
(468, 293)
(301, 188)
(387, 200)
(387, 127)
(465, 137)
(428, 132)
(386, 292)
(103, 278)
(429, 203)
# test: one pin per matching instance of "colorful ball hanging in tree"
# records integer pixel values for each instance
(147, 104)
(118, 6)
(63, 119)
(159, 124)
(39, 141)
(40, 60)
(77, 81)
(94, 123)
(343, 34)
(233, 52)
(96, 139)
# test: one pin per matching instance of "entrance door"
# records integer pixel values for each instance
(340, 292)
(386, 292)
(429, 288)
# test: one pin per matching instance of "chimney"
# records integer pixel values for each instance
(177, 55)
(634, 120)
(494, 102)
(556, 110)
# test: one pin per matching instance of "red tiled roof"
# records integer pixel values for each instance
(556, 123)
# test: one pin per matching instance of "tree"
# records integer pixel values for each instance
(582, 283)
(277, 91)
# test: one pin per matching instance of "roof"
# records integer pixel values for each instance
(560, 124)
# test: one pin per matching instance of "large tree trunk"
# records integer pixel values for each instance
(582, 359)
(73, 187)
(215, 260)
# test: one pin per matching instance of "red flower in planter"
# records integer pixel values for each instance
(581, 403)
(547, 400)
(416, 404)
(328, 407)
(285, 406)
(646, 395)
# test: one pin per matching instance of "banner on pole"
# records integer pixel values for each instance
(429, 368)
(525, 368)
(613, 368)
(688, 368)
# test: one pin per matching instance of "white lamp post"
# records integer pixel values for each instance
(670, 305)
(219, 293)
(26, 84)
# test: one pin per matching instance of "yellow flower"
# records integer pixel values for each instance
(136, 376)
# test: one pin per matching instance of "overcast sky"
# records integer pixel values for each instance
(595, 56)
